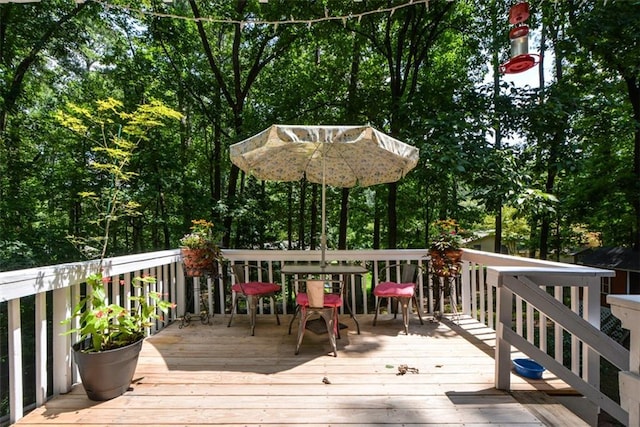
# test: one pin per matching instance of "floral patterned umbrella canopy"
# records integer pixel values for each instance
(341, 156)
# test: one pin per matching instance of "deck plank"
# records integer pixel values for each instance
(213, 375)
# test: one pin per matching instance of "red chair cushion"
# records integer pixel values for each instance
(255, 288)
(392, 289)
(330, 300)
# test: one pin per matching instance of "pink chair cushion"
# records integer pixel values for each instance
(330, 300)
(255, 288)
(392, 289)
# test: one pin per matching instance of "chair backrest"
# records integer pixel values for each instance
(244, 273)
(238, 272)
(408, 273)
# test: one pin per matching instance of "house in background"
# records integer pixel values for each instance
(485, 241)
(625, 262)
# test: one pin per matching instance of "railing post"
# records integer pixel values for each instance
(591, 313)
(627, 309)
(15, 360)
(503, 347)
(180, 289)
(62, 356)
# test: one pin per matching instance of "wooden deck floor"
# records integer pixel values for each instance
(213, 375)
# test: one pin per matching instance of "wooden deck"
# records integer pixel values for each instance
(213, 375)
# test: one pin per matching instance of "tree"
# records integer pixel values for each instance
(611, 32)
(405, 40)
(28, 34)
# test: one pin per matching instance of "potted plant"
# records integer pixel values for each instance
(199, 248)
(110, 335)
(445, 251)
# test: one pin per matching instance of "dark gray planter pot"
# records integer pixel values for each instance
(107, 374)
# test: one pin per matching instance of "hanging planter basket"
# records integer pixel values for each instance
(199, 262)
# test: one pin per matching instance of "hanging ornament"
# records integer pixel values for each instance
(521, 60)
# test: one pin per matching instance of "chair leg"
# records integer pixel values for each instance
(404, 302)
(233, 310)
(275, 307)
(418, 309)
(301, 328)
(329, 317)
(295, 313)
(375, 316)
(252, 307)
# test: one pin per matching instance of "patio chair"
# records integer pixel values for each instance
(250, 284)
(402, 291)
(320, 301)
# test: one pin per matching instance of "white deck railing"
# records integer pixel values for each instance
(483, 293)
(546, 298)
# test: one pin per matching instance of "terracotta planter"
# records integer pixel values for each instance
(107, 374)
(199, 262)
(446, 263)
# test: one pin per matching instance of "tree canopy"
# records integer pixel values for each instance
(546, 166)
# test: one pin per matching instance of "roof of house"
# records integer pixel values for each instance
(615, 258)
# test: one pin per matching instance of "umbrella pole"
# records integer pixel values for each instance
(323, 236)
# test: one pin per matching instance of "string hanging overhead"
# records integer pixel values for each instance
(291, 21)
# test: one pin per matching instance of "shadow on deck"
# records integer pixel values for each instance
(214, 375)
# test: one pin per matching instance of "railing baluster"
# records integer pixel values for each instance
(558, 335)
(41, 348)
(483, 301)
(519, 322)
(575, 342)
(530, 324)
(15, 360)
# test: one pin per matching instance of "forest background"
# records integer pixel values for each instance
(548, 167)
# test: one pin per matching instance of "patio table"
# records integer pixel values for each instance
(328, 270)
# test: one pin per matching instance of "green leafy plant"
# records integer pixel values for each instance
(110, 326)
(201, 236)
(200, 250)
(449, 236)
(445, 247)
(116, 134)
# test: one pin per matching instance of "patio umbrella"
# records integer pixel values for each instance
(341, 156)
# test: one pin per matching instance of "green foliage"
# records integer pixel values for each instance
(15, 256)
(201, 237)
(480, 149)
(110, 326)
(448, 235)
(117, 134)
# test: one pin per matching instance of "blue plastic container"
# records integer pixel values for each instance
(528, 368)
